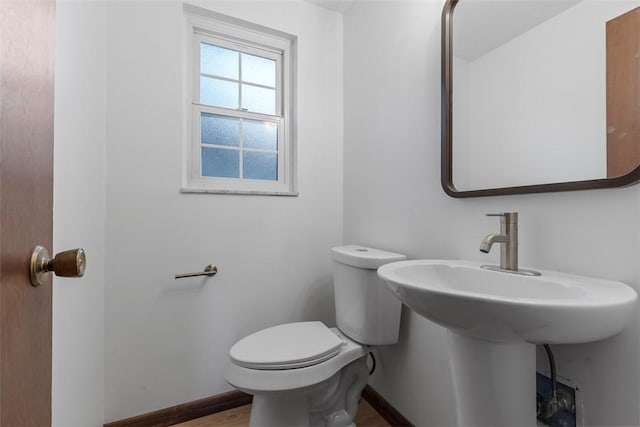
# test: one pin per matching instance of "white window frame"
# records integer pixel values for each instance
(213, 28)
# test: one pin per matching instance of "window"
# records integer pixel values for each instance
(241, 133)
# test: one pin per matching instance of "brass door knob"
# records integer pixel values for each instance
(65, 264)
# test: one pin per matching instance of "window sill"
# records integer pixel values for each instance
(239, 192)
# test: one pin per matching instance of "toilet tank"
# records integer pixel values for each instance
(366, 309)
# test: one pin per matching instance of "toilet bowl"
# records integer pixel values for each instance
(307, 374)
(312, 386)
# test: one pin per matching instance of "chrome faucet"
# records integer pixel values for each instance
(508, 239)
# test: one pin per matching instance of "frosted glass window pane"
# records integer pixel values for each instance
(256, 69)
(220, 130)
(259, 100)
(218, 93)
(218, 61)
(258, 165)
(218, 162)
(262, 135)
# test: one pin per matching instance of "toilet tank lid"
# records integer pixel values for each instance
(364, 257)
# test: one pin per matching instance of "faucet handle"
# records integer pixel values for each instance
(508, 217)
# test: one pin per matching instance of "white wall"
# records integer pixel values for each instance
(167, 341)
(393, 200)
(79, 213)
(461, 126)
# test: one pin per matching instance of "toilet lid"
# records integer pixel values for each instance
(288, 346)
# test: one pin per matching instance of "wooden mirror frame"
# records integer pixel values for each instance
(446, 165)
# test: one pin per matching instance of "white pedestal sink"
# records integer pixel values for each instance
(496, 318)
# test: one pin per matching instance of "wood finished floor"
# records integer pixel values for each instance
(239, 417)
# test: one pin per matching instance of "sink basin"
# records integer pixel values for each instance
(496, 318)
(554, 308)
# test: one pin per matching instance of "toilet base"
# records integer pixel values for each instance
(285, 410)
(330, 403)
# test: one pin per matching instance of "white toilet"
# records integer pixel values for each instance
(306, 374)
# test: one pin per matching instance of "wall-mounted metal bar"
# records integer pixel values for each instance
(209, 270)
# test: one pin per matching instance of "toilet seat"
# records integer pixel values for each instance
(255, 381)
(287, 346)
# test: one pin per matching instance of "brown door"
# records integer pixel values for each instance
(623, 89)
(26, 200)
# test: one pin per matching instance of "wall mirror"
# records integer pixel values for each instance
(540, 95)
